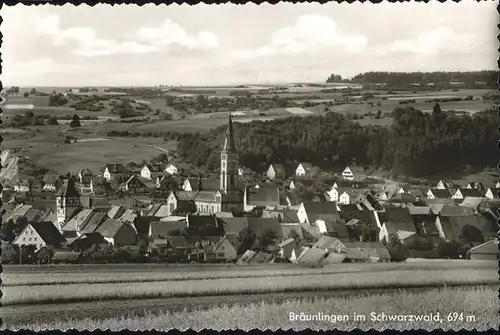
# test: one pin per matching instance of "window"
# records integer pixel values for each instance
(222, 248)
(24, 239)
(220, 254)
(30, 239)
(35, 239)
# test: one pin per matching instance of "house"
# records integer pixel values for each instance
(445, 185)
(466, 192)
(163, 234)
(23, 185)
(351, 173)
(322, 218)
(167, 183)
(396, 220)
(451, 227)
(262, 196)
(39, 234)
(199, 184)
(86, 181)
(150, 171)
(287, 247)
(133, 185)
(73, 227)
(492, 193)
(92, 223)
(51, 183)
(475, 185)
(117, 233)
(349, 196)
(171, 169)
(220, 251)
(304, 170)
(276, 171)
(244, 171)
(181, 201)
(487, 251)
(114, 171)
(439, 193)
(115, 211)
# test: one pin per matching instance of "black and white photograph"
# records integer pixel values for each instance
(288, 166)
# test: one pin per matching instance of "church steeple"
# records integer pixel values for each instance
(229, 161)
(229, 140)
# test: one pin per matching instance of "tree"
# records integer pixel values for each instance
(7, 231)
(448, 250)
(52, 121)
(169, 100)
(421, 243)
(436, 109)
(165, 116)
(43, 256)
(26, 94)
(246, 239)
(75, 121)
(396, 249)
(472, 234)
(267, 238)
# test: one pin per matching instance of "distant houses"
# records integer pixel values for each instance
(115, 171)
(304, 170)
(276, 171)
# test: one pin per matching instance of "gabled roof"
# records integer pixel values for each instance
(109, 228)
(207, 184)
(419, 210)
(116, 211)
(93, 222)
(457, 223)
(440, 193)
(263, 196)
(135, 181)
(128, 216)
(279, 169)
(307, 166)
(321, 210)
(472, 202)
(116, 169)
(490, 247)
(155, 168)
(142, 224)
(205, 195)
(184, 195)
(78, 221)
(201, 220)
(48, 232)
(466, 192)
(454, 210)
(397, 214)
(260, 225)
(232, 226)
(68, 189)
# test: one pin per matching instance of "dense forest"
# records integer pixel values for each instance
(417, 144)
(474, 79)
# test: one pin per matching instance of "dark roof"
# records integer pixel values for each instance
(321, 210)
(48, 232)
(109, 228)
(202, 220)
(279, 169)
(454, 210)
(142, 224)
(184, 195)
(205, 196)
(397, 214)
(457, 223)
(260, 225)
(439, 193)
(207, 184)
(162, 229)
(155, 168)
(466, 192)
(263, 196)
(232, 226)
(490, 247)
(68, 189)
(366, 217)
(394, 226)
(135, 181)
(116, 169)
(93, 222)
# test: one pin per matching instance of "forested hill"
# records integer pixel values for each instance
(417, 143)
(469, 79)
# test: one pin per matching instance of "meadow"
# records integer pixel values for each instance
(81, 287)
(458, 308)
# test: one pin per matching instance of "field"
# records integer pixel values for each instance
(464, 308)
(105, 295)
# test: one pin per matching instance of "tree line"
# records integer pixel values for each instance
(417, 143)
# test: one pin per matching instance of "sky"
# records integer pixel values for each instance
(209, 45)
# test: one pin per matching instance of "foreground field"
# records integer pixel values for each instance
(15, 275)
(395, 278)
(451, 308)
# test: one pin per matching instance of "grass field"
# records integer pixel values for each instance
(477, 306)
(74, 287)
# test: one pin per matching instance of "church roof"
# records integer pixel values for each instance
(68, 189)
(229, 140)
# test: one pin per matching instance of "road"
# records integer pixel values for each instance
(19, 315)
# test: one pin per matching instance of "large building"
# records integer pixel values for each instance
(228, 197)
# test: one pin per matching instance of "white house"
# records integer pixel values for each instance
(492, 193)
(460, 194)
(347, 174)
(224, 249)
(113, 171)
(333, 193)
(171, 169)
(444, 184)
(275, 171)
(303, 170)
(39, 234)
(150, 171)
(244, 171)
(345, 198)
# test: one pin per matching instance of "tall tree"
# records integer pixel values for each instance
(75, 121)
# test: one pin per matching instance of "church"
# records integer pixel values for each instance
(227, 198)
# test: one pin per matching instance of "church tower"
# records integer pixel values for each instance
(67, 201)
(229, 161)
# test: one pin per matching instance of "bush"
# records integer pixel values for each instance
(451, 250)
(396, 249)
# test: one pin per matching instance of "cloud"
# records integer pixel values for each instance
(170, 33)
(440, 40)
(152, 39)
(310, 33)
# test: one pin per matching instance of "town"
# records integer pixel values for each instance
(160, 213)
